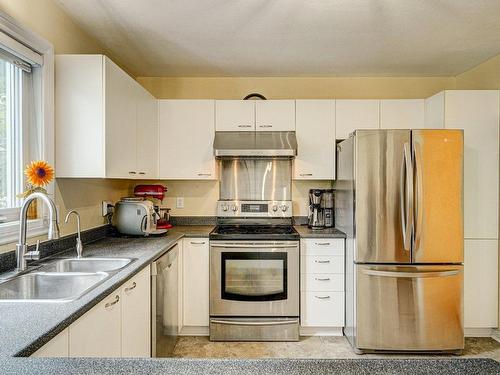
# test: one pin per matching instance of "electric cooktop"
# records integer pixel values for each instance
(254, 232)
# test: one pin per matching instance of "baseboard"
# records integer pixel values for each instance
(479, 332)
(194, 331)
(495, 335)
(321, 331)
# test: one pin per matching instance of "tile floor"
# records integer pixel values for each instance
(307, 347)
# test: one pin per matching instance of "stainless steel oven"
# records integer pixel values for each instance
(254, 290)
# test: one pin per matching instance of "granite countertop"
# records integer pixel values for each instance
(27, 326)
(306, 232)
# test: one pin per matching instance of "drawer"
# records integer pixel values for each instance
(322, 246)
(322, 264)
(322, 309)
(319, 282)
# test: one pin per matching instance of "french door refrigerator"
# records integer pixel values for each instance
(399, 200)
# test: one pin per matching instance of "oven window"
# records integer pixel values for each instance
(254, 276)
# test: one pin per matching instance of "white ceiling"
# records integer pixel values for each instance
(293, 37)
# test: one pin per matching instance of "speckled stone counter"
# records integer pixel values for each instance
(306, 232)
(27, 326)
(86, 366)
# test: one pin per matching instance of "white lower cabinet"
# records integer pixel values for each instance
(195, 286)
(321, 284)
(57, 347)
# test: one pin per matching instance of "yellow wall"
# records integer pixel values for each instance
(46, 19)
(485, 76)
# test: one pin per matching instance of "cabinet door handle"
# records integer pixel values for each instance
(322, 243)
(306, 174)
(109, 304)
(204, 174)
(322, 261)
(244, 126)
(132, 172)
(142, 172)
(131, 288)
(322, 279)
(197, 243)
(322, 297)
(265, 126)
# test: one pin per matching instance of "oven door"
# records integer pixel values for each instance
(254, 278)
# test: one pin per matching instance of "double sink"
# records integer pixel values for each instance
(62, 280)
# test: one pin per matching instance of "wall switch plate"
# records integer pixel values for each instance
(179, 203)
(107, 207)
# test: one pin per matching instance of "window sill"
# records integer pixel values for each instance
(9, 232)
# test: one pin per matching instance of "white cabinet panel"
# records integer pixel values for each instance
(477, 112)
(57, 347)
(315, 130)
(274, 115)
(352, 114)
(98, 332)
(322, 282)
(235, 115)
(147, 134)
(322, 309)
(322, 264)
(322, 246)
(195, 282)
(136, 315)
(402, 114)
(481, 284)
(186, 139)
(434, 111)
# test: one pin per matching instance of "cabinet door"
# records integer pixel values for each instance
(98, 332)
(477, 113)
(315, 131)
(147, 134)
(186, 139)
(57, 347)
(355, 114)
(274, 115)
(402, 114)
(234, 115)
(195, 274)
(136, 315)
(481, 284)
(120, 122)
(322, 309)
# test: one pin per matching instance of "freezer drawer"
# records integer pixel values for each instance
(414, 308)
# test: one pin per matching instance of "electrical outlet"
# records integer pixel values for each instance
(107, 207)
(179, 202)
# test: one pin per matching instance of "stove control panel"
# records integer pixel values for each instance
(254, 209)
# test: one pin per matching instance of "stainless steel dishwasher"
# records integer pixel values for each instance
(165, 303)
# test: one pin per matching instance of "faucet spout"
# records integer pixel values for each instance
(21, 247)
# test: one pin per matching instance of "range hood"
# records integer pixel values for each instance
(254, 143)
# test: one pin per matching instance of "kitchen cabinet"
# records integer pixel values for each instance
(481, 284)
(98, 332)
(315, 131)
(322, 283)
(186, 136)
(99, 112)
(136, 316)
(235, 115)
(57, 347)
(275, 115)
(195, 285)
(352, 114)
(402, 114)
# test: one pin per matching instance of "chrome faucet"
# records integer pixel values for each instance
(79, 247)
(21, 248)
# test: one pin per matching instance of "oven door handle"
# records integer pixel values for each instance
(260, 246)
(249, 323)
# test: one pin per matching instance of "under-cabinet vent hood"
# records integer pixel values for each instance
(255, 144)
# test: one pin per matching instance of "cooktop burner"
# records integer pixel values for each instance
(254, 232)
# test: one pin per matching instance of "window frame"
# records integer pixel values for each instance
(43, 83)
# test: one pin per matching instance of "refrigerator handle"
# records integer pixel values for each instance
(418, 195)
(406, 196)
(411, 275)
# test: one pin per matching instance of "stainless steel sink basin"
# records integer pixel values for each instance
(49, 286)
(88, 265)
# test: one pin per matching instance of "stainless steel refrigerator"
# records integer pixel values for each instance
(399, 200)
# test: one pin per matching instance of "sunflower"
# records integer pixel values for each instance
(39, 173)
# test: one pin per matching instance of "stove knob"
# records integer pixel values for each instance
(275, 208)
(225, 207)
(234, 208)
(284, 208)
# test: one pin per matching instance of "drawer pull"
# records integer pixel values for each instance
(322, 243)
(322, 261)
(204, 174)
(134, 285)
(244, 126)
(197, 243)
(132, 172)
(306, 174)
(322, 279)
(322, 297)
(109, 304)
(143, 173)
(265, 126)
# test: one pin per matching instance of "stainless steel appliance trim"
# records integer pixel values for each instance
(419, 195)
(255, 143)
(255, 246)
(254, 323)
(405, 274)
(407, 196)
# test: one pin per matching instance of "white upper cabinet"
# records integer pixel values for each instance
(315, 129)
(187, 129)
(235, 115)
(402, 114)
(477, 112)
(275, 115)
(355, 114)
(99, 111)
